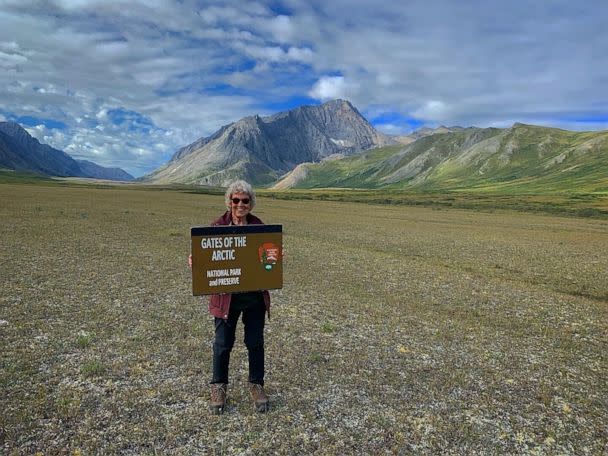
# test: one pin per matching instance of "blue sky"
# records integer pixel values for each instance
(128, 82)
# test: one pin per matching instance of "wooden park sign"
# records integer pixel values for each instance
(236, 258)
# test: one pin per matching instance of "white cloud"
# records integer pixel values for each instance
(274, 53)
(112, 49)
(220, 34)
(392, 129)
(15, 87)
(215, 14)
(107, 6)
(432, 110)
(156, 71)
(9, 46)
(11, 61)
(48, 89)
(102, 114)
(46, 135)
(300, 54)
(330, 87)
(282, 28)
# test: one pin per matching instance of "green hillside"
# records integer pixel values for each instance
(355, 171)
(24, 177)
(521, 159)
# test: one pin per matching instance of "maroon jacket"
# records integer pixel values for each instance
(219, 304)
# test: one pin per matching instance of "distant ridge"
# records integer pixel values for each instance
(425, 131)
(523, 158)
(261, 149)
(96, 171)
(21, 152)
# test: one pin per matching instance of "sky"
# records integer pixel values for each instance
(126, 83)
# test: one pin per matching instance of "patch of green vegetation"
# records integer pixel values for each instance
(328, 328)
(68, 404)
(22, 177)
(84, 340)
(93, 368)
(316, 358)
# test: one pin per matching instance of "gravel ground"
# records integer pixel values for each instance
(399, 330)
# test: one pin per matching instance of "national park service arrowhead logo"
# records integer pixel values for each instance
(268, 254)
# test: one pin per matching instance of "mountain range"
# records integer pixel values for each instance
(523, 158)
(261, 149)
(21, 152)
(333, 145)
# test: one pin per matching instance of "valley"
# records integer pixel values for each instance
(431, 330)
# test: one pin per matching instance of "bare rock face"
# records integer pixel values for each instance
(260, 149)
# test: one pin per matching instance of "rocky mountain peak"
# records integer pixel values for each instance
(12, 127)
(263, 148)
(339, 105)
(17, 132)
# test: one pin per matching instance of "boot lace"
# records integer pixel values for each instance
(218, 392)
(258, 391)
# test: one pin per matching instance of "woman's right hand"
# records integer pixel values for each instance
(190, 261)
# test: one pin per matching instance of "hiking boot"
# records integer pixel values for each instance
(218, 398)
(260, 399)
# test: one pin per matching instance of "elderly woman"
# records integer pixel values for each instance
(227, 308)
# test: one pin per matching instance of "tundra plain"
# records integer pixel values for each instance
(399, 330)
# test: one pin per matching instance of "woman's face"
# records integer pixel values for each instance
(240, 204)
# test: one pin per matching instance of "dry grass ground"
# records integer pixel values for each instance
(399, 330)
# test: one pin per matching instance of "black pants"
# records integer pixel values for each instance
(251, 305)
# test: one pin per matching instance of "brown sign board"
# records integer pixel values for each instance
(236, 258)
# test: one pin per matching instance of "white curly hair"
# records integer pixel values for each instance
(239, 186)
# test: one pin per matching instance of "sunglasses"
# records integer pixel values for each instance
(238, 200)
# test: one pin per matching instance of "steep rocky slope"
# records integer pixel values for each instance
(261, 149)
